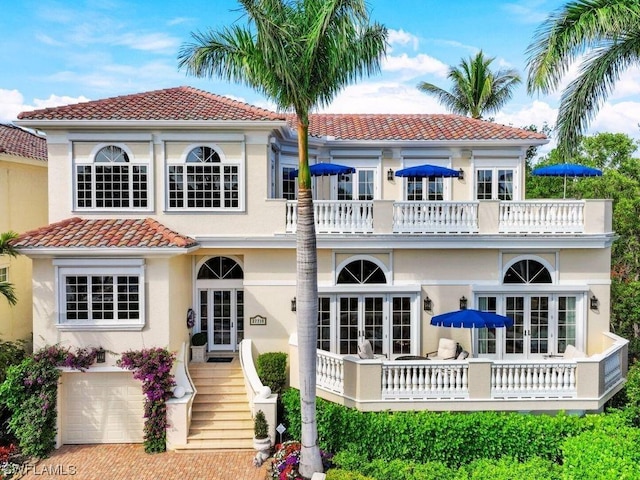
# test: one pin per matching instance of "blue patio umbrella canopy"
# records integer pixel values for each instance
(566, 170)
(322, 169)
(426, 170)
(470, 318)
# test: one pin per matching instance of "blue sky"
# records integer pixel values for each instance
(57, 52)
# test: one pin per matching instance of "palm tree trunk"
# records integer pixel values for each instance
(307, 309)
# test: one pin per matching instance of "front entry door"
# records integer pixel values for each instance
(530, 334)
(223, 311)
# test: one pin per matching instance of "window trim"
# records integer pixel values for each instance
(91, 161)
(88, 267)
(224, 161)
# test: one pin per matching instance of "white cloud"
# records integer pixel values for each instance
(150, 42)
(621, 117)
(400, 37)
(536, 113)
(11, 104)
(414, 66)
(56, 101)
(383, 97)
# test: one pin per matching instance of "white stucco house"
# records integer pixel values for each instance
(178, 199)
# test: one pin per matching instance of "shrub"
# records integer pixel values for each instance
(339, 474)
(199, 339)
(11, 353)
(153, 367)
(260, 425)
(272, 370)
(612, 453)
(451, 438)
(511, 469)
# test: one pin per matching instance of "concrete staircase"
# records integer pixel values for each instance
(221, 417)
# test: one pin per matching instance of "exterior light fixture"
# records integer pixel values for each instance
(101, 355)
(294, 306)
(463, 303)
(461, 174)
(427, 304)
(390, 175)
(593, 302)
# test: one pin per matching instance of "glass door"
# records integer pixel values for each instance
(530, 335)
(360, 317)
(224, 314)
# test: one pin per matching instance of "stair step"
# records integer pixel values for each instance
(220, 407)
(240, 434)
(221, 398)
(220, 389)
(216, 445)
(221, 415)
(221, 424)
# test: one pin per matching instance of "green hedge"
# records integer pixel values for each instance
(272, 370)
(611, 453)
(453, 439)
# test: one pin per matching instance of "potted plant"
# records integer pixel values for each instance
(199, 347)
(261, 440)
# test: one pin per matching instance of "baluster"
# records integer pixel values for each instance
(438, 374)
(465, 379)
(572, 377)
(516, 378)
(458, 385)
(414, 379)
(421, 376)
(494, 385)
(547, 378)
(523, 377)
(510, 378)
(446, 380)
(529, 378)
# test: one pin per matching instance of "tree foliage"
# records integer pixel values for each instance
(7, 289)
(475, 89)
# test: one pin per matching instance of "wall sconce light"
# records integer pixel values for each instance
(463, 303)
(390, 175)
(101, 355)
(294, 306)
(461, 174)
(593, 302)
(427, 304)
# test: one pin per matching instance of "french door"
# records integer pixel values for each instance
(222, 317)
(531, 334)
(387, 321)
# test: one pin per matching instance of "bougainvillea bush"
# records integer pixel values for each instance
(152, 367)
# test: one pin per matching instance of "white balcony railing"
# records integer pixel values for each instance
(435, 217)
(533, 216)
(533, 380)
(330, 371)
(335, 216)
(424, 380)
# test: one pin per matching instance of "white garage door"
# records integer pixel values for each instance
(101, 408)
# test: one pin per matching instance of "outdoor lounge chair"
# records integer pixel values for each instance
(447, 349)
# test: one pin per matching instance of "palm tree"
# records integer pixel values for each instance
(609, 31)
(299, 54)
(6, 289)
(476, 89)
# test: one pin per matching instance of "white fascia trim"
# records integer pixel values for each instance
(110, 136)
(519, 288)
(498, 153)
(63, 327)
(426, 153)
(98, 262)
(356, 153)
(102, 252)
(371, 288)
(200, 137)
(154, 124)
(465, 144)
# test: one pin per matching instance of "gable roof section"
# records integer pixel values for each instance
(103, 233)
(179, 103)
(22, 143)
(411, 127)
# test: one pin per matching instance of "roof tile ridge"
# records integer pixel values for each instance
(168, 234)
(230, 101)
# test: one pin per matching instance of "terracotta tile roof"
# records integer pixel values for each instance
(411, 127)
(104, 233)
(22, 143)
(179, 103)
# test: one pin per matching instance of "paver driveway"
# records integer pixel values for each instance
(129, 462)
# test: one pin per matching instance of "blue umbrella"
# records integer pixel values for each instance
(426, 170)
(470, 318)
(322, 169)
(566, 170)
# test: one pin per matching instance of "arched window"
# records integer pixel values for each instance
(203, 181)
(220, 268)
(527, 272)
(111, 181)
(361, 272)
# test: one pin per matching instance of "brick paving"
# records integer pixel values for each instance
(129, 462)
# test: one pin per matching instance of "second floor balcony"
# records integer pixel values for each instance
(440, 217)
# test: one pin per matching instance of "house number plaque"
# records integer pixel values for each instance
(258, 320)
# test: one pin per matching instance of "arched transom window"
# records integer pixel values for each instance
(112, 181)
(203, 181)
(361, 272)
(527, 272)
(220, 268)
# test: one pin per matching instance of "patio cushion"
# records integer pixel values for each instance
(572, 352)
(463, 355)
(447, 349)
(365, 351)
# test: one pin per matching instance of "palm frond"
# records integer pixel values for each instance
(7, 290)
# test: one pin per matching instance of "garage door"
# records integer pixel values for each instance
(101, 408)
